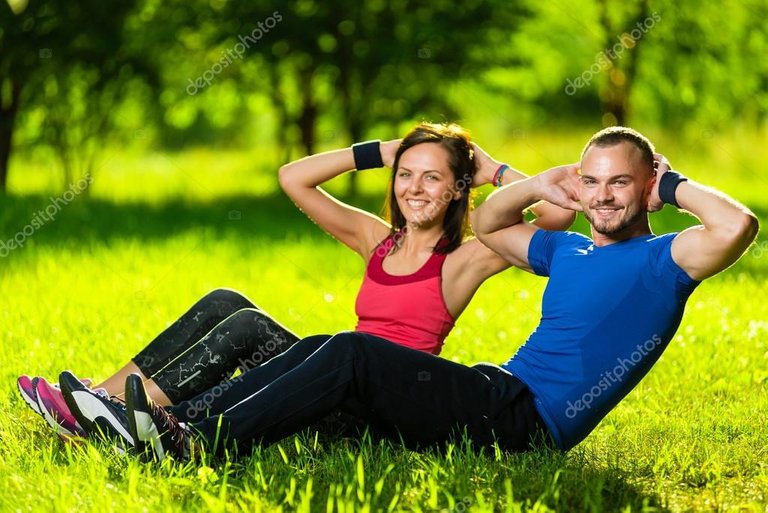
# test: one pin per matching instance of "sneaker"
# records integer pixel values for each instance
(106, 431)
(155, 431)
(27, 386)
(54, 410)
(87, 406)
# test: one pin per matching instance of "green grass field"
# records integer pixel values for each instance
(91, 287)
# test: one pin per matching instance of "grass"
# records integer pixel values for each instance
(91, 287)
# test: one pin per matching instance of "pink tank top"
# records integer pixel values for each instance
(409, 310)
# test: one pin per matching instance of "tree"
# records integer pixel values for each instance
(384, 62)
(71, 61)
(622, 54)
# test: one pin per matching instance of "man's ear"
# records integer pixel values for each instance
(650, 185)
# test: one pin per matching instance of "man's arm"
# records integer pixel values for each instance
(548, 216)
(499, 223)
(727, 229)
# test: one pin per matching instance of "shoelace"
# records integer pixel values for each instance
(116, 401)
(170, 424)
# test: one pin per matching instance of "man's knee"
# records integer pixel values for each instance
(347, 342)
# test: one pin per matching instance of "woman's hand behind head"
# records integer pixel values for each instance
(388, 150)
(486, 166)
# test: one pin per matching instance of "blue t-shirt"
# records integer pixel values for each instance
(607, 315)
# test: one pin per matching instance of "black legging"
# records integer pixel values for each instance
(221, 333)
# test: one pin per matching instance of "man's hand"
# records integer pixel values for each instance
(388, 149)
(561, 186)
(662, 165)
(499, 222)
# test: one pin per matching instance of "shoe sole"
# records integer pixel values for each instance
(31, 401)
(91, 408)
(54, 423)
(141, 423)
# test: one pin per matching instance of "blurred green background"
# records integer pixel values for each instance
(83, 82)
(177, 114)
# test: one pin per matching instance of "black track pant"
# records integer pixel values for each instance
(222, 332)
(398, 392)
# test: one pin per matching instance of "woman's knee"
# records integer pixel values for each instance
(243, 320)
(255, 327)
(233, 299)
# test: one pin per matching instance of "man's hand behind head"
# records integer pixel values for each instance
(661, 166)
(560, 186)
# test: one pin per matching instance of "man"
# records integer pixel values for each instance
(612, 304)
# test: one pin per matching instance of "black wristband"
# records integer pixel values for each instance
(367, 155)
(668, 185)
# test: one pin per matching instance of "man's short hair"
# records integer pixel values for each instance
(616, 134)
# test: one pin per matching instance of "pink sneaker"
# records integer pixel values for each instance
(54, 410)
(27, 385)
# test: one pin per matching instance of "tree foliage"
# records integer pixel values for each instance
(226, 72)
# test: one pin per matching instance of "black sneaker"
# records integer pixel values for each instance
(156, 432)
(106, 431)
(87, 407)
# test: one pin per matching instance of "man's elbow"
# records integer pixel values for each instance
(476, 219)
(750, 228)
(743, 230)
(557, 220)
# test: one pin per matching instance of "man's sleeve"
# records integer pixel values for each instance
(669, 269)
(541, 249)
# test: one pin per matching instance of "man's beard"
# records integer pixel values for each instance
(605, 228)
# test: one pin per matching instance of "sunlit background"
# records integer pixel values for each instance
(139, 148)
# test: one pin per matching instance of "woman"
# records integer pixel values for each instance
(421, 271)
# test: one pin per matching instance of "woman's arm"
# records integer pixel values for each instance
(356, 228)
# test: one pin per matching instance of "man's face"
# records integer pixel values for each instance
(615, 184)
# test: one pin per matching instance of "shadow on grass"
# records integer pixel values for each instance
(533, 480)
(272, 217)
(87, 221)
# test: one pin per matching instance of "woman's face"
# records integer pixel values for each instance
(424, 184)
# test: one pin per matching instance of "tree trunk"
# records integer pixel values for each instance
(356, 132)
(352, 115)
(276, 97)
(8, 114)
(615, 98)
(308, 116)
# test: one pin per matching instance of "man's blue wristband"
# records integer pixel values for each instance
(367, 155)
(668, 186)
